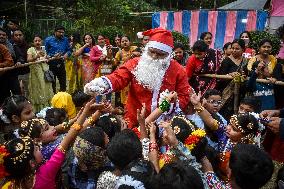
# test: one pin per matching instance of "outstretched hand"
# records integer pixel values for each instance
(141, 115)
(168, 133)
(172, 96)
(96, 86)
(195, 99)
(152, 127)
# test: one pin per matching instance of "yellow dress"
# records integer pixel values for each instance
(120, 58)
(271, 65)
(73, 68)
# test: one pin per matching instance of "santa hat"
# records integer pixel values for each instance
(140, 35)
(160, 39)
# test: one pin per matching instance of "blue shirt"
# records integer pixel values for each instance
(54, 45)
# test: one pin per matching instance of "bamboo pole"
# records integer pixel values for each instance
(230, 77)
(28, 64)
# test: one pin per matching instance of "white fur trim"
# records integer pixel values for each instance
(109, 83)
(139, 35)
(154, 99)
(129, 181)
(160, 46)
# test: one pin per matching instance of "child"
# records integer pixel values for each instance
(15, 109)
(110, 124)
(20, 157)
(90, 158)
(124, 148)
(212, 101)
(80, 99)
(249, 104)
(55, 116)
(243, 128)
(64, 100)
(137, 173)
(264, 92)
(178, 175)
(250, 168)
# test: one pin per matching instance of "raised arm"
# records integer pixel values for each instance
(212, 123)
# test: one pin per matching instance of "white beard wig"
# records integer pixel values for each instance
(149, 72)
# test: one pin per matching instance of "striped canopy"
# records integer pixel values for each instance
(224, 25)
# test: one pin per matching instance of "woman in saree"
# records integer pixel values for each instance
(233, 65)
(88, 73)
(40, 90)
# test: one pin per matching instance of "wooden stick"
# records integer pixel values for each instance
(230, 77)
(30, 63)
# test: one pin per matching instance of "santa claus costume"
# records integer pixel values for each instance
(148, 78)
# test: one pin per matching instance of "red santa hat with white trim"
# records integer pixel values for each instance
(160, 39)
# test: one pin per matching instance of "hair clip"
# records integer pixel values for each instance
(112, 119)
(24, 147)
(250, 126)
(235, 123)
(176, 130)
(24, 124)
(189, 123)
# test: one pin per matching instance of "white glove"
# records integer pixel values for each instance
(163, 95)
(96, 86)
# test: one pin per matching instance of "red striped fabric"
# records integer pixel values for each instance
(251, 22)
(230, 26)
(212, 21)
(194, 26)
(178, 21)
(163, 19)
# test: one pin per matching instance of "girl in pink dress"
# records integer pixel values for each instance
(21, 160)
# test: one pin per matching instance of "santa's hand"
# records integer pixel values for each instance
(163, 96)
(96, 86)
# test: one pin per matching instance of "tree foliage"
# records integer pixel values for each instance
(257, 36)
(180, 38)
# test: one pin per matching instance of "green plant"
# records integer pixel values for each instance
(257, 36)
(109, 32)
(180, 38)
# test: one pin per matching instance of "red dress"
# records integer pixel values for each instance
(95, 54)
(175, 79)
(210, 65)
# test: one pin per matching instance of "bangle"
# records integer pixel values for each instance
(90, 121)
(153, 146)
(76, 126)
(65, 125)
(199, 110)
(215, 125)
(61, 149)
(164, 106)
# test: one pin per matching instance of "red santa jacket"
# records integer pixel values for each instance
(175, 79)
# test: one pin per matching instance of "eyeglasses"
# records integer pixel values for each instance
(215, 102)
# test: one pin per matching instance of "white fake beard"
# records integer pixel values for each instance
(150, 72)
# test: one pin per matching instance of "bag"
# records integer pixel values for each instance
(49, 76)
